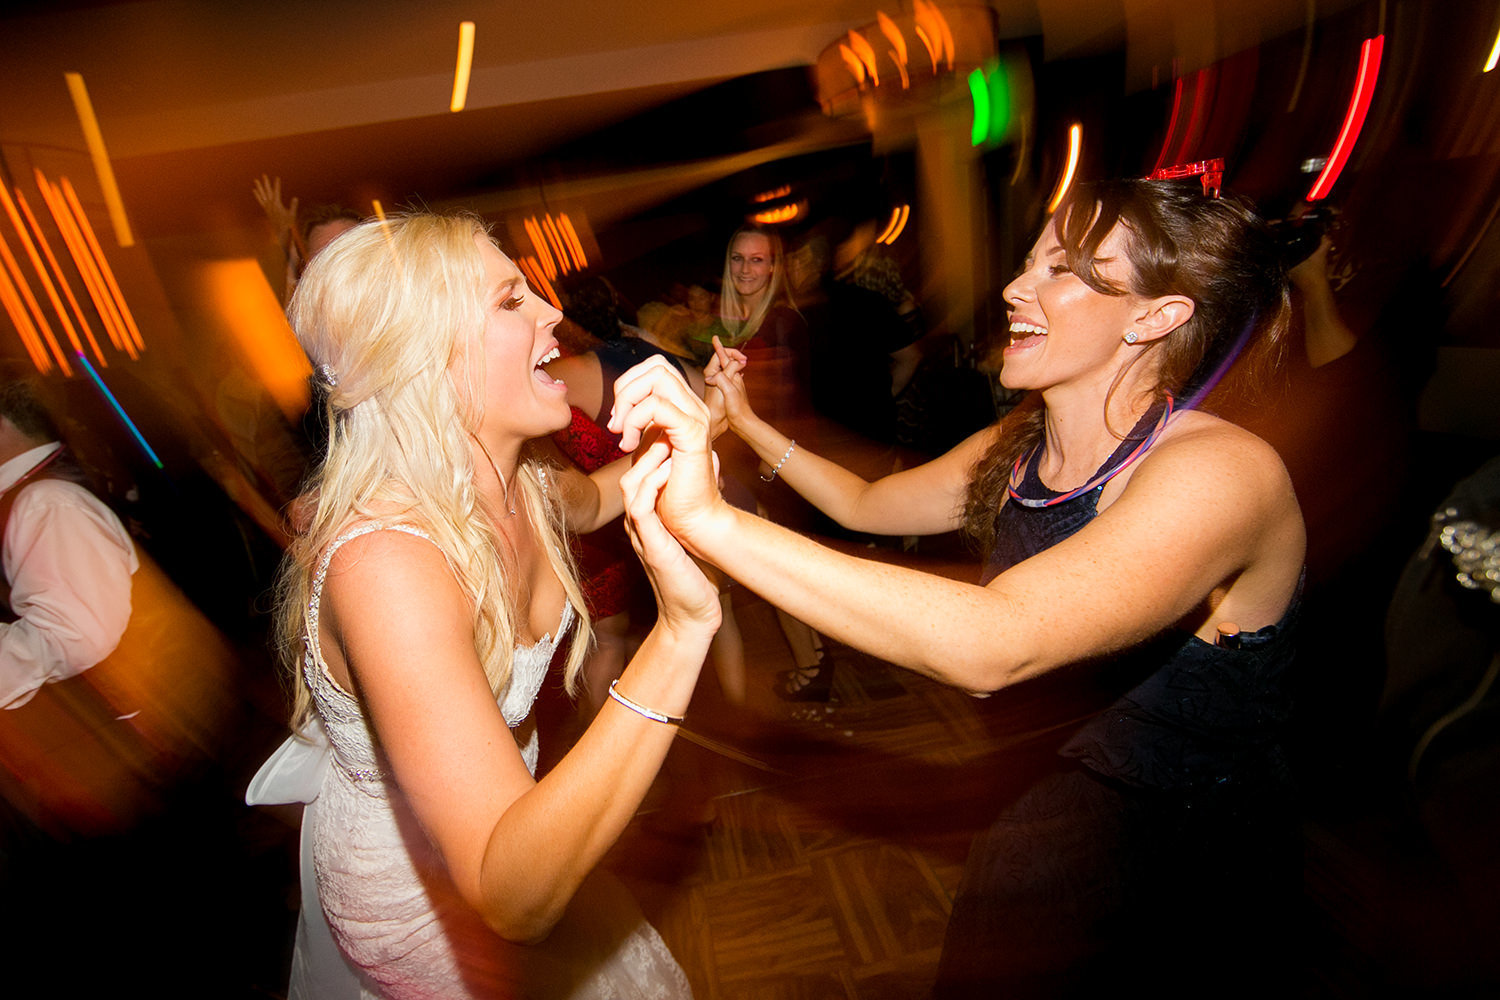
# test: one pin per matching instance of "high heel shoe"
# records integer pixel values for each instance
(812, 683)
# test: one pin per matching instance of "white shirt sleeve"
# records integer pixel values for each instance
(69, 563)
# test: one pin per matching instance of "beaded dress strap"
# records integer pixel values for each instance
(315, 602)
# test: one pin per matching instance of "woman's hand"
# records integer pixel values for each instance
(727, 399)
(687, 602)
(654, 408)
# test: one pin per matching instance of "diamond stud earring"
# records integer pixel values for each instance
(1131, 336)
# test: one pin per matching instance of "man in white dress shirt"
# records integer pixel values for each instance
(67, 762)
(65, 555)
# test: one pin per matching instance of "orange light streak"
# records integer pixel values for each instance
(574, 243)
(555, 239)
(866, 53)
(896, 226)
(856, 68)
(94, 138)
(932, 53)
(780, 192)
(929, 31)
(105, 271)
(64, 286)
(773, 216)
(93, 282)
(893, 35)
(538, 280)
(1075, 148)
(27, 330)
(29, 245)
(539, 244)
(465, 61)
(57, 270)
(39, 322)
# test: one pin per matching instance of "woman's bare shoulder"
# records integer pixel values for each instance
(1201, 447)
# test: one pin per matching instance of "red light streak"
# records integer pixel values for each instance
(1354, 118)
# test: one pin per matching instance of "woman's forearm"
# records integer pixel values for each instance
(921, 501)
(900, 615)
(577, 812)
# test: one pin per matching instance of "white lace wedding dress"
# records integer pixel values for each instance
(395, 926)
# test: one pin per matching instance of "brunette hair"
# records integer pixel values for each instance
(1216, 251)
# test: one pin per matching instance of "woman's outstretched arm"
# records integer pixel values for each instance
(1206, 528)
(925, 500)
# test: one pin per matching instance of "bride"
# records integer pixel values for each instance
(419, 607)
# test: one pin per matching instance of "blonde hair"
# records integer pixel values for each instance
(731, 306)
(393, 311)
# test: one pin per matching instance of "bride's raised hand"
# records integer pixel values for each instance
(653, 401)
(687, 602)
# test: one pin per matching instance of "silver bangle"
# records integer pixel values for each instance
(777, 471)
(639, 709)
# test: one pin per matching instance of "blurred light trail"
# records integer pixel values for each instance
(539, 244)
(896, 226)
(465, 60)
(856, 68)
(865, 52)
(29, 245)
(95, 140)
(93, 281)
(537, 279)
(777, 216)
(57, 271)
(898, 45)
(574, 243)
(11, 299)
(109, 397)
(378, 209)
(1494, 58)
(1166, 142)
(772, 195)
(96, 254)
(38, 322)
(60, 287)
(935, 32)
(1075, 148)
(1354, 118)
(979, 89)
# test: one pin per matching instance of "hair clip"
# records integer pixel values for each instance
(1211, 172)
(326, 377)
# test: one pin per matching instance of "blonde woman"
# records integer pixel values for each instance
(420, 605)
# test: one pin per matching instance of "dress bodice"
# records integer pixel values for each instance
(355, 750)
(1188, 715)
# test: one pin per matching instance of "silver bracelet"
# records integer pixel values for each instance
(639, 709)
(777, 471)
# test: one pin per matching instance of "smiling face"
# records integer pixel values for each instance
(1061, 330)
(520, 401)
(750, 265)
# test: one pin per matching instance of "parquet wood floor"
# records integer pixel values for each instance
(829, 870)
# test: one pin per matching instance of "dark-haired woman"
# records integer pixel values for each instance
(1122, 528)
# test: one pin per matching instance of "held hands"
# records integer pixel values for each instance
(688, 603)
(661, 419)
(726, 397)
